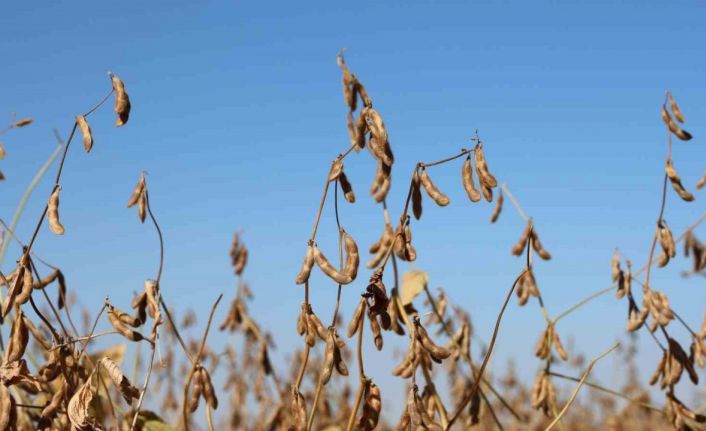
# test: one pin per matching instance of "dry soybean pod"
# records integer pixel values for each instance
(675, 108)
(484, 175)
(377, 332)
(701, 183)
(346, 187)
(676, 182)
(308, 263)
(416, 196)
(672, 126)
(209, 394)
(441, 199)
(357, 317)
(19, 336)
(558, 346)
(468, 183)
(327, 365)
(437, 353)
(85, 132)
(122, 101)
(352, 256)
(122, 328)
(376, 125)
(519, 247)
(383, 190)
(196, 392)
(538, 247)
(371, 408)
(137, 192)
(498, 208)
(53, 212)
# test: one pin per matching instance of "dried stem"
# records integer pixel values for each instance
(361, 374)
(578, 387)
(476, 384)
(609, 391)
(195, 362)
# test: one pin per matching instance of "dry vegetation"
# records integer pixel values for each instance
(54, 379)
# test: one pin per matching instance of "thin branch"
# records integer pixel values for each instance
(578, 387)
(514, 202)
(195, 362)
(609, 391)
(476, 384)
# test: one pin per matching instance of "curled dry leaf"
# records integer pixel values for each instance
(122, 384)
(122, 101)
(53, 212)
(86, 132)
(413, 283)
(77, 409)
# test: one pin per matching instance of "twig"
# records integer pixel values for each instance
(361, 370)
(514, 202)
(578, 387)
(476, 384)
(23, 201)
(609, 391)
(195, 362)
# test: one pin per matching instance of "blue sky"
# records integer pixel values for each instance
(237, 111)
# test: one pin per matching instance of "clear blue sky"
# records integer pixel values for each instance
(237, 111)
